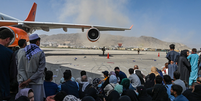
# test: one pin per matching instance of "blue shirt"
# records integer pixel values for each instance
(168, 87)
(50, 88)
(181, 98)
(172, 56)
(171, 69)
(5, 59)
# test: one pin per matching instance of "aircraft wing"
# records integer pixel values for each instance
(49, 25)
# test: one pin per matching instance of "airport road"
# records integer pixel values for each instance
(58, 60)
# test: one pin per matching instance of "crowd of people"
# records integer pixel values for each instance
(23, 77)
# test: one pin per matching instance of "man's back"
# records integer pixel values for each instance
(5, 57)
(31, 69)
(135, 81)
(172, 56)
(50, 88)
(71, 88)
(181, 83)
(193, 60)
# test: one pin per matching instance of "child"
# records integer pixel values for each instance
(165, 69)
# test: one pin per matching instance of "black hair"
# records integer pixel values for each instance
(117, 73)
(194, 50)
(176, 75)
(60, 96)
(34, 41)
(131, 70)
(48, 75)
(6, 33)
(30, 91)
(172, 46)
(22, 98)
(116, 68)
(67, 75)
(167, 79)
(21, 42)
(83, 73)
(177, 88)
(159, 79)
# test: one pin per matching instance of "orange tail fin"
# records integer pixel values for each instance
(32, 13)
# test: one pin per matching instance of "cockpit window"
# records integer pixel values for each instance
(2, 18)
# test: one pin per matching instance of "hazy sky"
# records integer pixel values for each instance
(167, 20)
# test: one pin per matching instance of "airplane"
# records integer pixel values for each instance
(22, 29)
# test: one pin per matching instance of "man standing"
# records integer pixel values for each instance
(31, 65)
(194, 66)
(13, 66)
(172, 55)
(5, 56)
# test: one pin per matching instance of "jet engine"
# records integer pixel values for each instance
(93, 34)
(18, 34)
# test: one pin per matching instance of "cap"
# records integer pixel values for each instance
(33, 36)
(105, 73)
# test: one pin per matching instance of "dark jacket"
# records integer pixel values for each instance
(184, 66)
(122, 75)
(71, 88)
(5, 59)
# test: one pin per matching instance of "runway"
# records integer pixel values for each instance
(58, 60)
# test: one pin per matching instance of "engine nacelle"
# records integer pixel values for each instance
(18, 34)
(93, 34)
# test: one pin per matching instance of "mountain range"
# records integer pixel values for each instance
(108, 40)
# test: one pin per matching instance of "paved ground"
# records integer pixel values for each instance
(58, 60)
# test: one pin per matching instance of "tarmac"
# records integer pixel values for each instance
(58, 60)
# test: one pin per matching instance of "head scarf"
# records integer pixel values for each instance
(184, 53)
(31, 50)
(132, 95)
(22, 92)
(113, 79)
(113, 96)
(143, 96)
(119, 88)
(112, 73)
(160, 93)
(150, 80)
(71, 98)
(88, 98)
(154, 70)
(124, 98)
(126, 83)
(96, 82)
